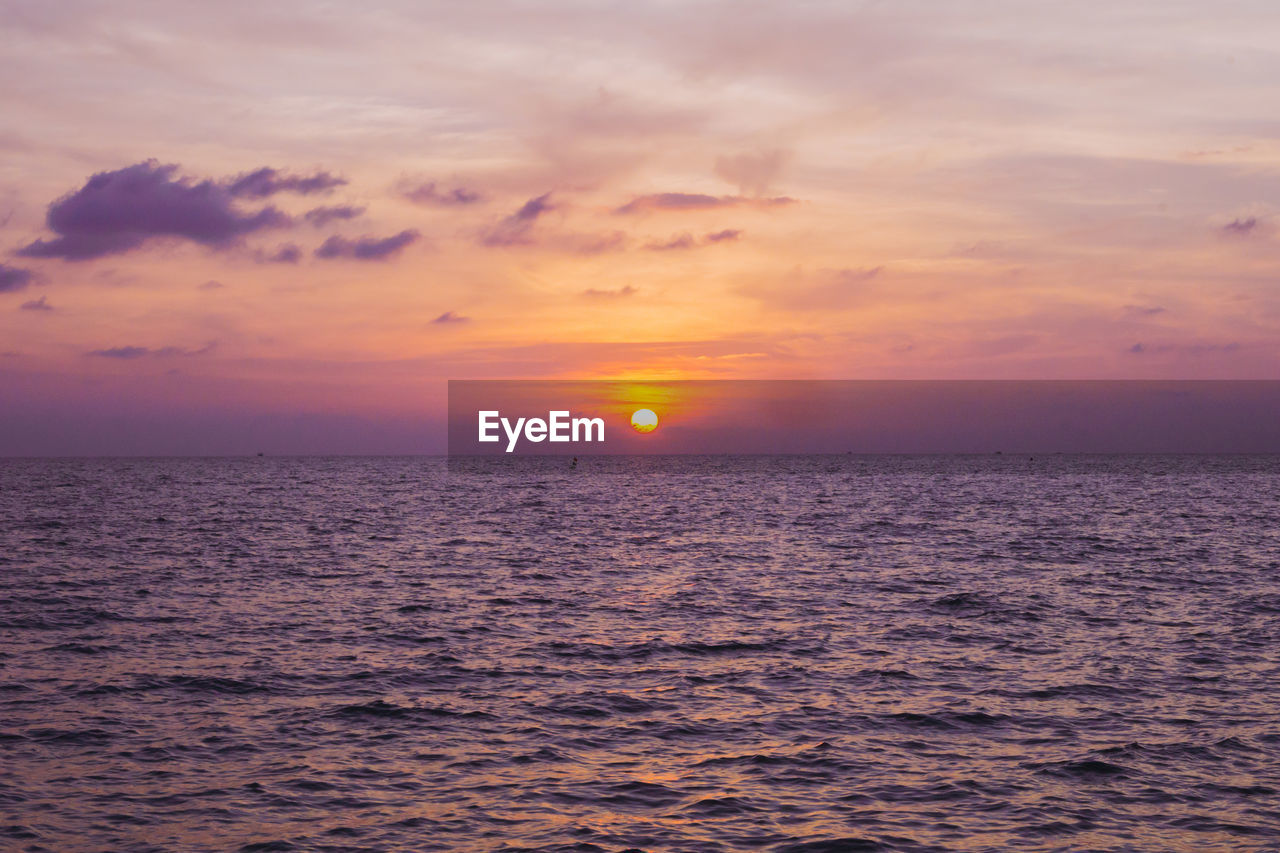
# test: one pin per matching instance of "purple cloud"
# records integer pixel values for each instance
(121, 352)
(322, 216)
(36, 305)
(115, 212)
(428, 194)
(680, 241)
(686, 240)
(450, 317)
(13, 279)
(696, 201)
(1194, 349)
(514, 230)
(130, 353)
(285, 253)
(1241, 227)
(365, 248)
(268, 181)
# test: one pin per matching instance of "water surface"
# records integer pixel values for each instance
(788, 654)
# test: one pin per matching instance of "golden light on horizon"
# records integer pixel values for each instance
(644, 420)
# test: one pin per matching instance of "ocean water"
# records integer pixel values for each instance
(774, 653)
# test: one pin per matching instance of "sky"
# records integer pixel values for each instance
(247, 226)
(754, 416)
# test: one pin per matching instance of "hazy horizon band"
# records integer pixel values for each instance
(718, 417)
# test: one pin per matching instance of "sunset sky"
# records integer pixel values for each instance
(282, 226)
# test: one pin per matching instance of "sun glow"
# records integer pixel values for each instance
(644, 420)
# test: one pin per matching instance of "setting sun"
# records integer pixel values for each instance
(644, 420)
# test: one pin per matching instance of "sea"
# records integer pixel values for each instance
(787, 653)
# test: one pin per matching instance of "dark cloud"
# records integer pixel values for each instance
(1191, 349)
(13, 279)
(129, 353)
(514, 230)
(268, 181)
(365, 248)
(115, 212)
(121, 352)
(450, 317)
(593, 293)
(672, 201)
(1144, 310)
(1241, 227)
(210, 285)
(36, 305)
(322, 216)
(680, 241)
(285, 253)
(696, 201)
(428, 193)
(687, 241)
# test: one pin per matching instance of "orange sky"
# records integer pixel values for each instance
(692, 190)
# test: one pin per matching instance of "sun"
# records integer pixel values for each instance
(644, 420)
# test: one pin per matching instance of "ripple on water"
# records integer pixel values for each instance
(786, 654)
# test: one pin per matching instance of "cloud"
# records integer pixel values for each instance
(322, 216)
(1144, 310)
(451, 317)
(428, 194)
(593, 293)
(687, 241)
(115, 212)
(130, 353)
(1191, 349)
(848, 276)
(210, 285)
(590, 244)
(285, 253)
(366, 248)
(753, 173)
(1241, 227)
(673, 201)
(680, 241)
(696, 201)
(13, 279)
(121, 352)
(705, 356)
(36, 305)
(514, 230)
(268, 181)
